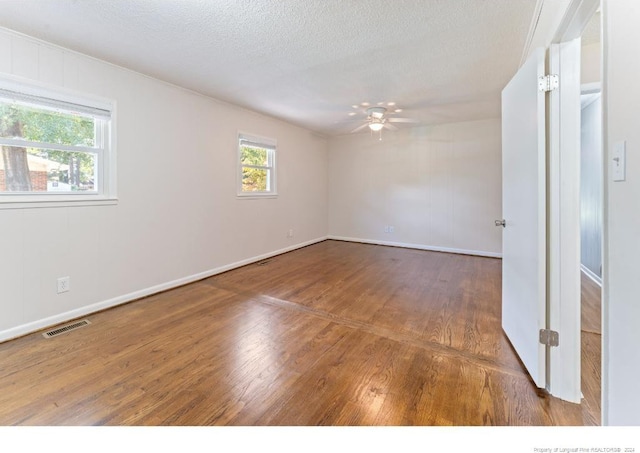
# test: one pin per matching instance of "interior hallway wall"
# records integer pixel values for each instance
(591, 187)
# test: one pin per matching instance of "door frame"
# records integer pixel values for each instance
(564, 222)
(564, 199)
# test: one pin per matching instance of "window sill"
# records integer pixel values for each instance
(12, 202)
(255, 196)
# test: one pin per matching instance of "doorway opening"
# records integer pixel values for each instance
(591, 215)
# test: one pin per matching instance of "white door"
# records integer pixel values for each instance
(523, 210)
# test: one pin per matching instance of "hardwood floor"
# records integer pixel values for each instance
(591, 306)
(591, 325)
(335, 333)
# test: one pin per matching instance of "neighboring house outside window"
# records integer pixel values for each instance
(39, 170)
(256, 166)
(54, 146)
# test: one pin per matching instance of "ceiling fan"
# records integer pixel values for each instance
(378, 119)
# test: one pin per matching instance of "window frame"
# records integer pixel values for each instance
(270, 145)
(56, 98)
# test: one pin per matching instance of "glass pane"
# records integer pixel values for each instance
(255, 180)
(40, 125)
(254, 156)
(39, 170)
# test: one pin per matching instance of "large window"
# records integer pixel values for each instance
(54, 146)
(257, 160)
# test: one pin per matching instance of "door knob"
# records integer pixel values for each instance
(501, 223)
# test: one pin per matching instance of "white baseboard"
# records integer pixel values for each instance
(419, 247)
(40, 324)
(597, 280)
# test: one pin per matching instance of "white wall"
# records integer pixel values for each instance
(621, 98)
(178, 217)
(438, 186)
(590, 63)
(591, 186)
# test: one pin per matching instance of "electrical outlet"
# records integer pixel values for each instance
(63, 284)
(391, 229)
(290, 233)
(386, 229)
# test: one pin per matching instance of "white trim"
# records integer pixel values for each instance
(255, 195)
(40, 324)
(257, 139)
(56, 201)
(589, 273)
(564, 222)
(576, 18)
(431, 248)
(54, 146)
(607, 239)
(564, 226)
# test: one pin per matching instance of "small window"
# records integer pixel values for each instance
(53, 147)
(257, 171)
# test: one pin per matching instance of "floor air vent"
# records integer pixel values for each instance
(67, 328)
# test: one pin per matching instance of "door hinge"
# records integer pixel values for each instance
(548, 83)
(549, 337)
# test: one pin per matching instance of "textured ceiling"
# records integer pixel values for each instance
(305, 61)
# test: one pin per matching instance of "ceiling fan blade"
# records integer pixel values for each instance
(359, 128)
(402, 120)
(391, 127)
(351, 120)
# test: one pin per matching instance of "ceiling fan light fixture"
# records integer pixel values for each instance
(375, 127)
(377, 119)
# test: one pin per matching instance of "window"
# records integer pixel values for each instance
(54, 146)
(257, 157)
